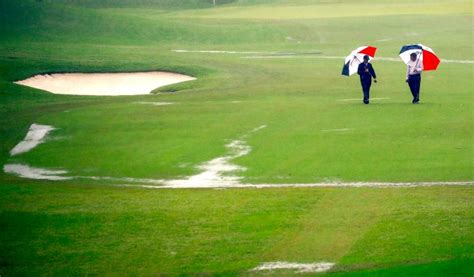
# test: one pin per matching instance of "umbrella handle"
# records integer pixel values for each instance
(418, 59)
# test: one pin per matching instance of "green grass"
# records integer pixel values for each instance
(84, 227)
(96, 230)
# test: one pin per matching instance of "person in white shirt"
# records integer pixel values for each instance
(413, 78)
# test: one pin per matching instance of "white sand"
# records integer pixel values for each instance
(109, 84)
(298, 267)
(36, 135)
(29, 172)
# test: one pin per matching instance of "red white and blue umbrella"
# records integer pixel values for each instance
(424, 54)
(351, 63)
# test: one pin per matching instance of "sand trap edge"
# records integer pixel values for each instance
(104, 83)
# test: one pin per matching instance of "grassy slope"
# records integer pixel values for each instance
(87, 229)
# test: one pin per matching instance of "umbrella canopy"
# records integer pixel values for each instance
(351, 63)
(425, 55)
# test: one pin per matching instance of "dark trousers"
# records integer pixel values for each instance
(366, 83)
(414, 82)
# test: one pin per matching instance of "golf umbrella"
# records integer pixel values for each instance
(424, 54)
(351, 63)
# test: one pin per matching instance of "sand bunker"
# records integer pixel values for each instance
(297, 267)
(35, 136)
(109, 84)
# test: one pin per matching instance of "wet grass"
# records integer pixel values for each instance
(81, 227)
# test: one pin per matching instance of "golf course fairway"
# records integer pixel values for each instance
(261, 161)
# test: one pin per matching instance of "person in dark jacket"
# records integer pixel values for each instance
(366, 72)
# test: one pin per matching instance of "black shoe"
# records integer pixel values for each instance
(366, 102)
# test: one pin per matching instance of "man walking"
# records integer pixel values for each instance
(413, 78)
(366, 72)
